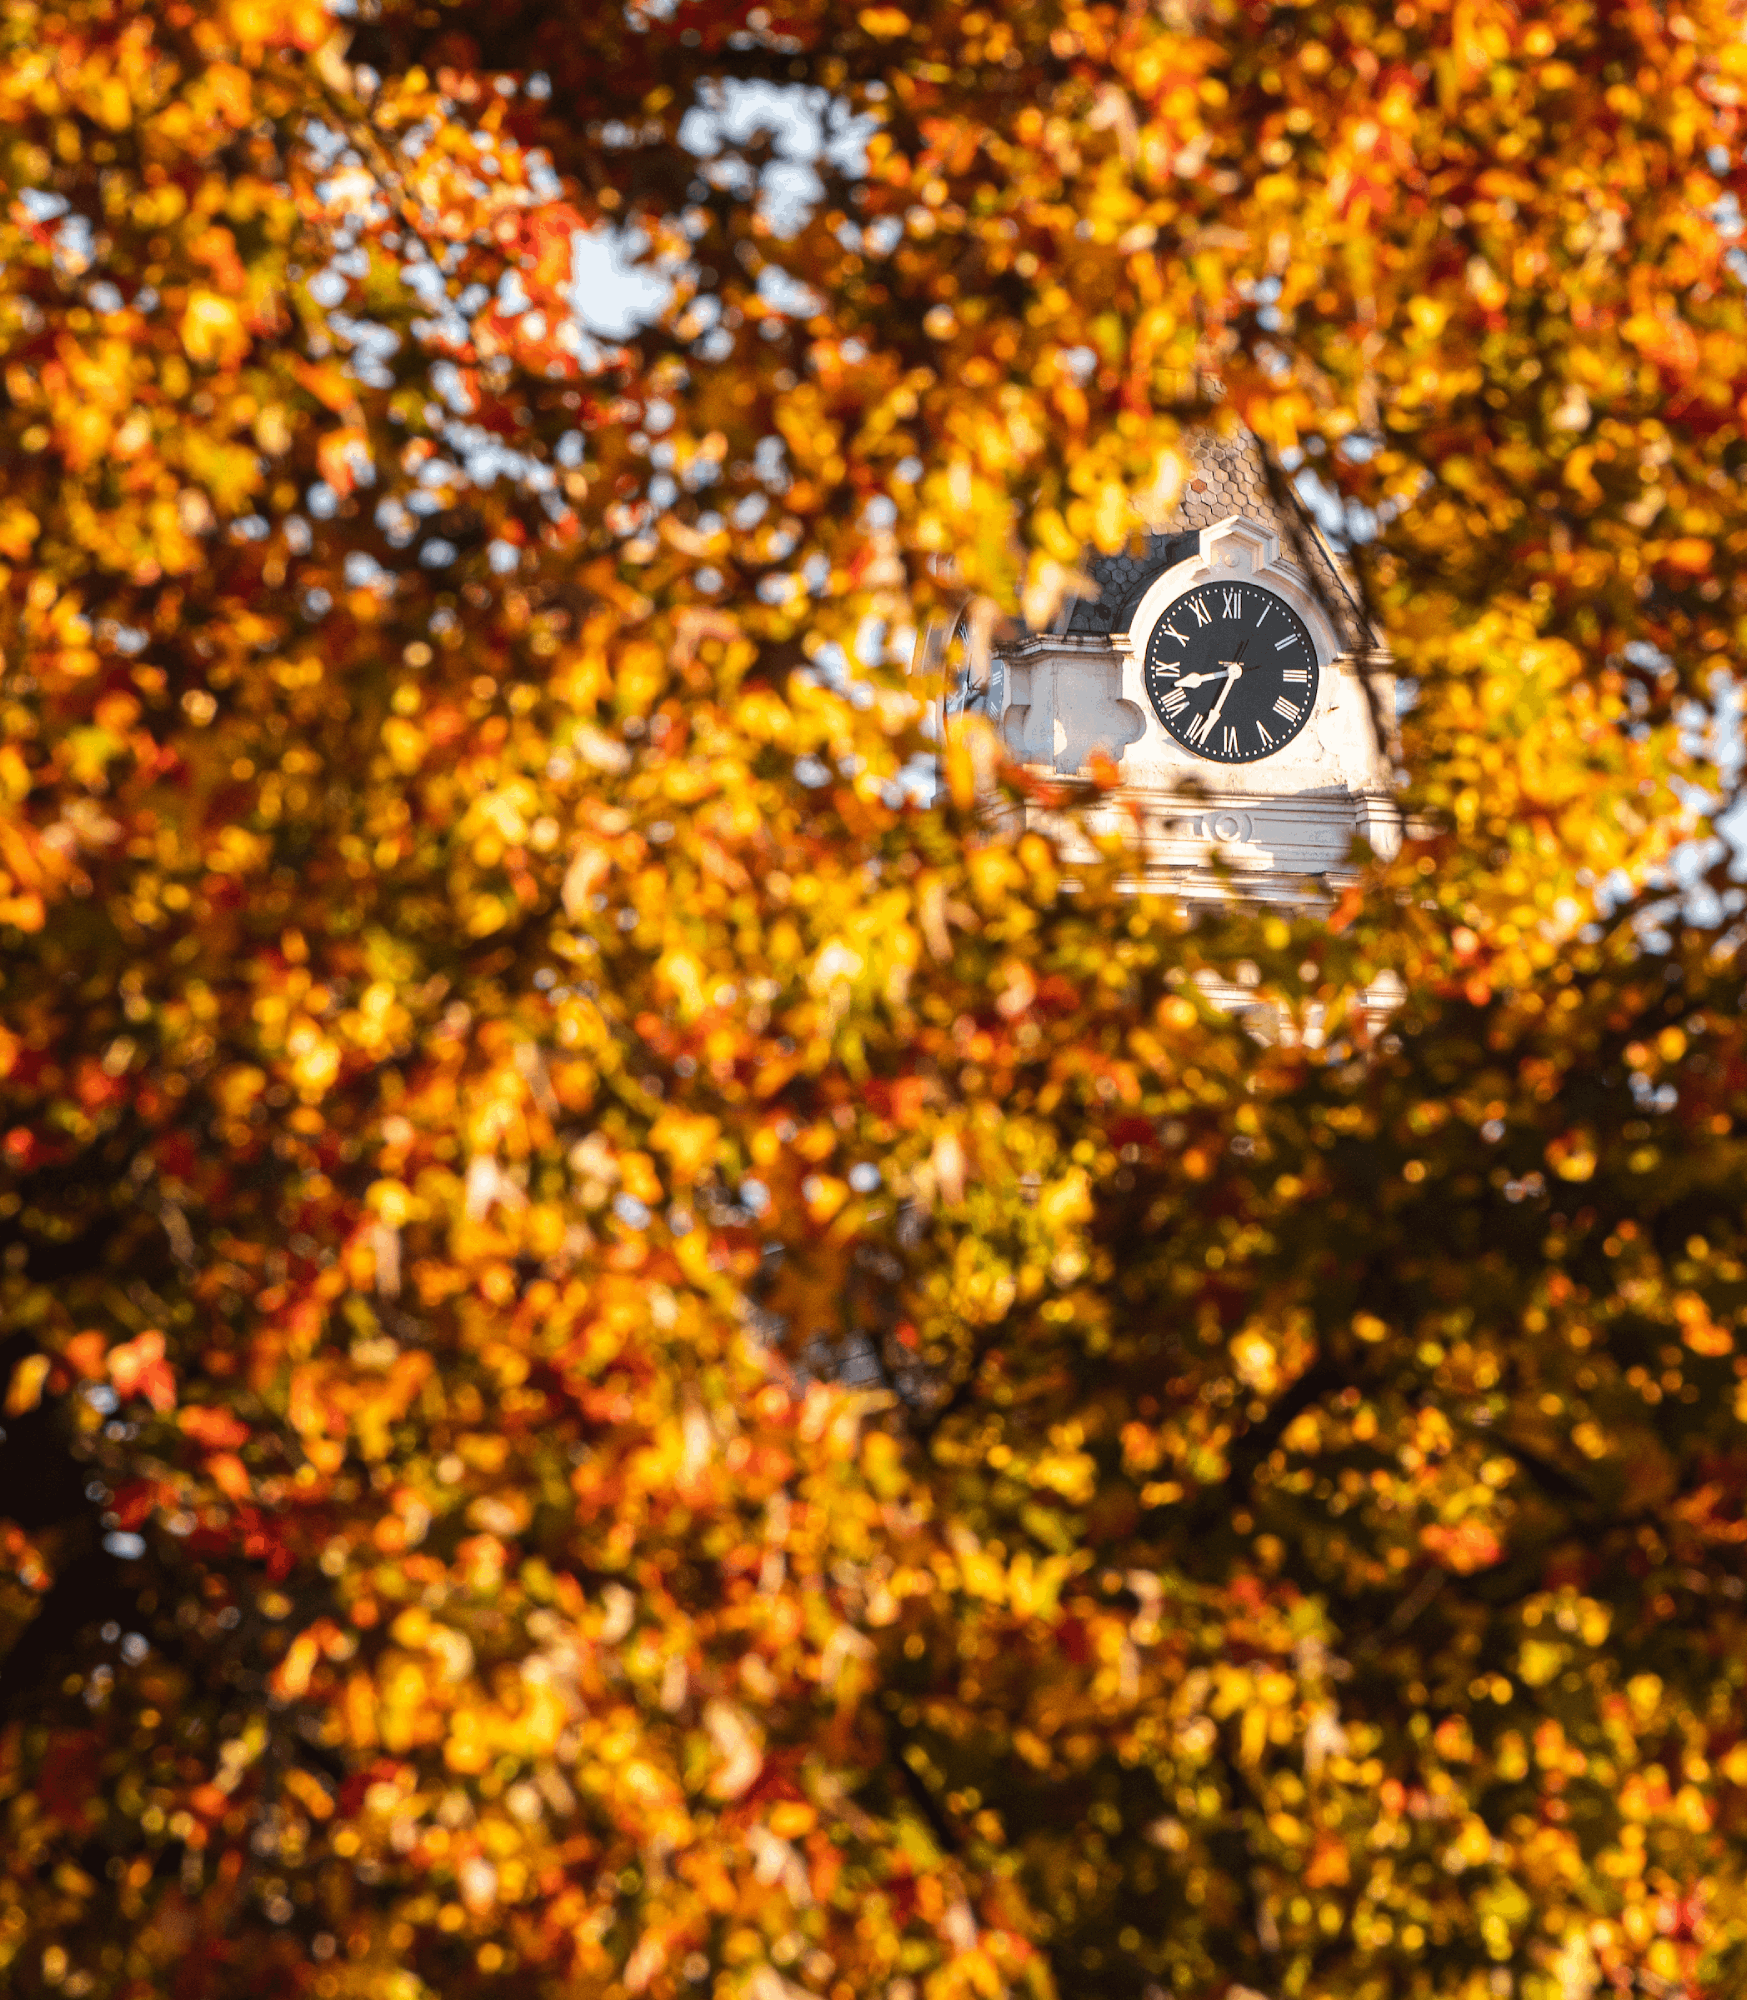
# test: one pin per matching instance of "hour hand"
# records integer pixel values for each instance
(1199, 680)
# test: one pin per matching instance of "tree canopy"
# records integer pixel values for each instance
(642, 1357)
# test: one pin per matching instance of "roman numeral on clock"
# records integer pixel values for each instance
(1286, 708)
(1199, 727)
(1294, 676)
(1174, 701)
(1229, 742)
(1262, 732)
(1229, 599)
(1202, 615)
(1291, 639)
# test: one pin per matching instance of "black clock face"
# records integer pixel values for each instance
(1231, 671)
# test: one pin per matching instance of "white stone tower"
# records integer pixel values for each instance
(1230, 674)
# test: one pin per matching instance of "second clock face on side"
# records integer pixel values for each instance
(1231, 671)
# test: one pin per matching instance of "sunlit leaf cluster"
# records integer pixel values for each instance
(649, 1347)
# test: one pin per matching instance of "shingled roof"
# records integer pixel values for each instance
(1228, 476)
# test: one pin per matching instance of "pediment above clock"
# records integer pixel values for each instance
(1229, 479)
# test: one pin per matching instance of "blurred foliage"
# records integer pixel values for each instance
(636, 1363)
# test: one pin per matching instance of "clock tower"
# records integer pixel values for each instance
(1229, 674)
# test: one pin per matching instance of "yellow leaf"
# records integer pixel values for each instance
(113, 105)
(292, 1676)
(213, 331)
(229, 1474)
(824, 1195)
(19, 528)
(1066, 1202)
(1111, 518)
(25, 1389)
(308, 1790)
(961, 770)
(404, 742)
(1428, 315)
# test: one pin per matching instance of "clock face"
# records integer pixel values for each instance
(1231, 671)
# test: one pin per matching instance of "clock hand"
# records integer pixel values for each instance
(1235, 664)
(1231, 681)
(1196, 680)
